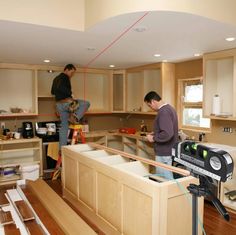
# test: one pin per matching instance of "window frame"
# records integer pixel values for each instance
(181, 104)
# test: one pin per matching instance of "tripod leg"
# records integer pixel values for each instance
(194, 215)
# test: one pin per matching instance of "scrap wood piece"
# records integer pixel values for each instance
(11, 229)
(5, 217)
(70, 222)
(34, 228)
(24, 210)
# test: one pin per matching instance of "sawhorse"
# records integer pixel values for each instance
(76, 129)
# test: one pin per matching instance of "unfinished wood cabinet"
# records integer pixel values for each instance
(45, 79)
(90, 84)
(114, 191)
(18, 90)
(93, 85)
(118, 90)
(220, 79)
(19, 153)
(154, 77)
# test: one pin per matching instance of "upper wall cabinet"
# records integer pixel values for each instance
(93, 85)
(155, 77)
(219, 85)
(18, 91)
(118, 91)
(45, 79)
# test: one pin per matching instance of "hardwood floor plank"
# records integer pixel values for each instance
(3, 199)
(5, 217)
(11, 229)
(25, 211)
(34, 228)
(215, 224)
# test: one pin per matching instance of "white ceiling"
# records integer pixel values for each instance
(176, 36)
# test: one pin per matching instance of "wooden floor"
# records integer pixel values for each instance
(214, 224)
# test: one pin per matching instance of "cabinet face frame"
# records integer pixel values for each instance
(212, 63)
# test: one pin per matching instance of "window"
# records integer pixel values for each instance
(190, 104)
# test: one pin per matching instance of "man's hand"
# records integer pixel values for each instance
(150, 137)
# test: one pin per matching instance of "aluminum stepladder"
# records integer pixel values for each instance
(76, 129)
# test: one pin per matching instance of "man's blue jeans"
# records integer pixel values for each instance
(62, 109)
(161, 171)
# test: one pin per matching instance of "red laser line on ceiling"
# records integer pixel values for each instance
(115, 40)
(109, 46)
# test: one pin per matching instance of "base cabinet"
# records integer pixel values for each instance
(16, 155)
(116, 190)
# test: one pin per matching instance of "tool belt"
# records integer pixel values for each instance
(73, 106)
(66, 100)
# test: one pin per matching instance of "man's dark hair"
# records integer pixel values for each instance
(152, 95)
(69, 67)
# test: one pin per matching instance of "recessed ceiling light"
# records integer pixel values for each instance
(46, 61)
(197, 54)
(91, 48)
(157, 55)
(140, 29)
(111, 65)
(230, 39)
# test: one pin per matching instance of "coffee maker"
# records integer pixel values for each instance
(27, 130)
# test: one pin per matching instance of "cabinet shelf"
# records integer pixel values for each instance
(230, 118)
(17, 150)
(21, 160)
(9, 179)
(18, 115)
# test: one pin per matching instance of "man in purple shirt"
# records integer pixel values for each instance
(165, 131)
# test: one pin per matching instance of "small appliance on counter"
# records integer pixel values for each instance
(27, 130)
(48, 131)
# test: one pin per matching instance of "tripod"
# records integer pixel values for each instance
(203, 189)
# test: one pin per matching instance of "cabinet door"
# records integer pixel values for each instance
(151, 82)
(118, 92)
(18, 90)
(219, 80)
(134, 91)
(45, 79)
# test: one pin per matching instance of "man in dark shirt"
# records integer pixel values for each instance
(61, 88)
(165, 131)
